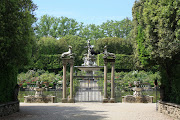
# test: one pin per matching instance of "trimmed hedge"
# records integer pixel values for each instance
(47, 62)
(170, 89)
(122, 61)
(8, 81)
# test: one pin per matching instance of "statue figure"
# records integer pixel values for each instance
(69, 53)
(108, 54)
(16, 91)
(39, 84)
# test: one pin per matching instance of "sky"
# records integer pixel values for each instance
(86, 11)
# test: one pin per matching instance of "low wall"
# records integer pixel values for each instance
(9, 108)
(170, 109)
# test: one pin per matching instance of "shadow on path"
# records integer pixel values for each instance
(55, 113)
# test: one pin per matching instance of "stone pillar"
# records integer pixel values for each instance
(112, 100)
(64, 99)
(71, 100)
(105, 100)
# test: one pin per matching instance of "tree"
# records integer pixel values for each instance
(56, 27)
(16, 38)
(119, 29)
(157, 33)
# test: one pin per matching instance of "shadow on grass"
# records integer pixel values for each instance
(55, 113)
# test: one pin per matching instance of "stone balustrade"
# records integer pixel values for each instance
(170, 109)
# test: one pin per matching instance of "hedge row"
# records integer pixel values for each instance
(122, 61)
(8, 81)
(54, 61)
(47, 62)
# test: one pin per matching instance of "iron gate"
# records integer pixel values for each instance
(89, 91)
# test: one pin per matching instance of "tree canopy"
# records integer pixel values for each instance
(61, 26)
(16, 39)
(157, 33)
(16, 31)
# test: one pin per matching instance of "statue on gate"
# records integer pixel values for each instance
(108, 54)
(69, 53)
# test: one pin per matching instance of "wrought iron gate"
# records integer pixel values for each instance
(89, 91)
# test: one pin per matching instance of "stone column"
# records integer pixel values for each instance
(71, 100)
(64, 99)
(105, 100)
(112, 100)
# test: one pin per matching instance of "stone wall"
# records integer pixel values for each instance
(170, 109)
(9, 108)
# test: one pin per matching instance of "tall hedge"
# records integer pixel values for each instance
(16, 39)
(8, 80)
(156, 31)
(47, 62)
(123, 62)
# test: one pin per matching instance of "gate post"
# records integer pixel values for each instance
(105, 100)
(67, 57)
(64, 99)
(108, 58)
(71, 100)
(112, 100)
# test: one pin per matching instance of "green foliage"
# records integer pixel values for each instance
(47, 62)
(51, 46)
(119, 29)
(115, 45)
(56, 27)
(157, 30)
(16, 32)
(16, 38)
(122, 61)
(47, 77)
(8, 80)
(59, 27)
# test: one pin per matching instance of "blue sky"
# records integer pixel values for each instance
(86, 11)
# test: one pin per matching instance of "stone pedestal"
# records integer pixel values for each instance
(71, 100)
(64, 100)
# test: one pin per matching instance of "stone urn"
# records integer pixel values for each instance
(137, 92)
(39, 92)
(137, 89)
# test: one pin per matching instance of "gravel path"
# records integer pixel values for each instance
(87, 111)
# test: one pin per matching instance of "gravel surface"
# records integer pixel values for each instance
(87, 111)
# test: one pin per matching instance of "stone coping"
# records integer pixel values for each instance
(9, 108)
(9, 103)
(170, 109)
(170, 104)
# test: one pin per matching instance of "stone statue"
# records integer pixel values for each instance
(108, 54)
(69, 53)
(16, 91)
(39, 84)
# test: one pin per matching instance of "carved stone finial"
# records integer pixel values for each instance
(108, 54)
(69, 53)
